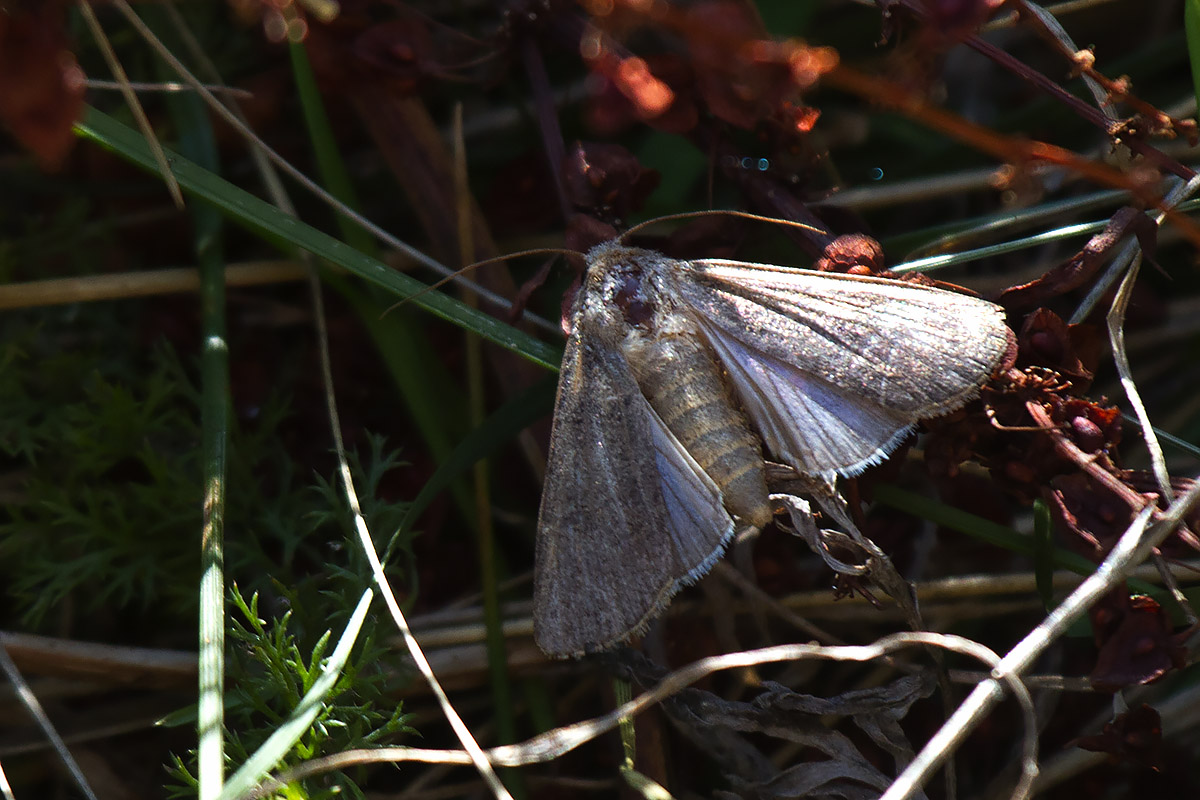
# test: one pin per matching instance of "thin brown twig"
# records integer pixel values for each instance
(1010, 149)
(1059, 94)
(559, 741)
(1087, 462)
(1117, 90)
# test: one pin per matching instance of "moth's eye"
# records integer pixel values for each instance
(632, 301)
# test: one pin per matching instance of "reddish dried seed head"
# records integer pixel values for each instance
(1088, 435)
(855, 253)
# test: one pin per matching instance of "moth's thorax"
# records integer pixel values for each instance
(635, 289)
(632, 285)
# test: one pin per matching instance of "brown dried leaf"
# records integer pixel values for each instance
(1088, 511)
(732, 68)
(836, 765)
(1081, 267)
(41, 84)
(1047, 341)
(743, 75)
(607, 180)
(1135, 641)
(657, 90)
(1135, 736)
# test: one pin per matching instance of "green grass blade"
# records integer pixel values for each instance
(198, 142)
(977, 527)
(422, 380)
(1191, 28)
(284, 231)
(1043, 548)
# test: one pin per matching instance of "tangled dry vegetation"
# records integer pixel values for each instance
(1016, 616)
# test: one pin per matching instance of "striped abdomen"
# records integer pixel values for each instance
(681, 379)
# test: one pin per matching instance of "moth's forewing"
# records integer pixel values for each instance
(627, 515)
(835, 369)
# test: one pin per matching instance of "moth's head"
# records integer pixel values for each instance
(614, 256)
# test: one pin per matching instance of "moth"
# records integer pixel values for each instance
(677, 373)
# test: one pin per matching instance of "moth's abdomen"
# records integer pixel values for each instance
(682, 381)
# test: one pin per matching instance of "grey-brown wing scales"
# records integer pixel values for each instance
(616, 482)
(807, 422)
(835, 369)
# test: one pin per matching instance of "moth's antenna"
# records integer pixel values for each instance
(723, 212)
(539, 251)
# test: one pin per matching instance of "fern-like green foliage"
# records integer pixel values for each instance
(103, 484)
(102, 489)
(103, 492)
(273, 663)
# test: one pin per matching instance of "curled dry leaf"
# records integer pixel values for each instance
(1078, 270)
(1135, 735)
(741, 73)
(1072, 351)
(585, 232)
(402, 53)
(734, 734)
(1088, 512)
(607, 180)
(656, 90)
(942, 21)
(1136, 645)
(1144, 482)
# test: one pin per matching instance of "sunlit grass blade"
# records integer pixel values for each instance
(197, 141)
(285, 231)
